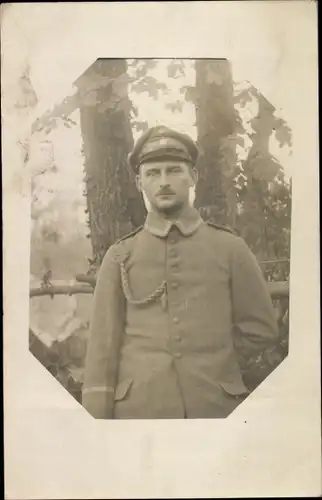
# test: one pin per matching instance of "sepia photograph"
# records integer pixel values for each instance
(160, 238)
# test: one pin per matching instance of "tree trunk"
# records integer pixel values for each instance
(254, 224)
(114, 205)
(216, 122)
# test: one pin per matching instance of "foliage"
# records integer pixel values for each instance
(263, 194)
(64, 360)
(256, 369)
(142, 82)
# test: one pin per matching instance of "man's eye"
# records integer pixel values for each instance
(174, 170)
(151, 173)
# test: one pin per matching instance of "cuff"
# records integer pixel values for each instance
(99, 401)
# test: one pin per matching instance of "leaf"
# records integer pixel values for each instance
(229, 141)
(134, 111)
(69, 120)
(272, 357)
(175, 107)
(262, 166)
(176, 69)
(283, 133)
(77, 374)
(120, 85)
(190, 93)
(143, 66)
(133, 63)
(50, 126)
(140, 126)
(150, 85)
(246, 96)
(147, 63)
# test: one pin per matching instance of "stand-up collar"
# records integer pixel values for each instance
(187, 223)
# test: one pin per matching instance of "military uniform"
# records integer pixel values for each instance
(175, 305)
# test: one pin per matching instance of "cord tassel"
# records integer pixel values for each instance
(164, 299)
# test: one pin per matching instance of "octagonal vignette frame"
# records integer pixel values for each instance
(52, 355)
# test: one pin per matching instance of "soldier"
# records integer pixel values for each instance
(176, 304)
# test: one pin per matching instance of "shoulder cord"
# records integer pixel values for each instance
(158, 293)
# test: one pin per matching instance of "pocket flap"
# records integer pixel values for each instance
(234, 388)
(122, 389)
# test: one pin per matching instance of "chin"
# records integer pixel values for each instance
(168, 206)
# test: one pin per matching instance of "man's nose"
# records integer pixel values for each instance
(164, 180)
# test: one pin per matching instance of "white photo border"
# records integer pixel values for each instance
(270, 445)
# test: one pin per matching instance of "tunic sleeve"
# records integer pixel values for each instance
(106, 330)
(254, 319)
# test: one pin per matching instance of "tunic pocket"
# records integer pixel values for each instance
(234, 389)
(123, 389)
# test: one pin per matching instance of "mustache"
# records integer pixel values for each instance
(165, 191)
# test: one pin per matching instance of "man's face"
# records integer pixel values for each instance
(166, 184)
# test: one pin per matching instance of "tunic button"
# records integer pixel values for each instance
(178, 355)
(174, 285)
(175, 320)
(178, 338)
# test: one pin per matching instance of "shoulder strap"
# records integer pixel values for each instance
(221, 227)
(122, 247)
(132, 233)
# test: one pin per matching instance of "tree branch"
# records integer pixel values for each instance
(277, 289)
(85, 278)
(65, 108)
(276, 261)
(60, 290)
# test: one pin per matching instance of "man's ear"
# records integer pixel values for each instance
(194, 175)
(138, 182)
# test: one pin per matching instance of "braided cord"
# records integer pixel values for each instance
(159, 292)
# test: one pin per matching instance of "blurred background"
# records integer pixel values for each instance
(84, 197)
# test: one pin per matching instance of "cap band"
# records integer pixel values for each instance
(157, 143)
(165, 155)
(164, 147)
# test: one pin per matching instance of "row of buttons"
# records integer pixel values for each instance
(172, 239)
(174, 264)
(178, 339)
(172, 252)
(173, 236)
